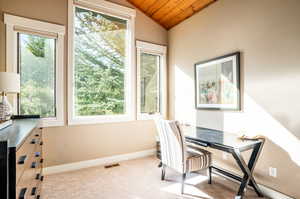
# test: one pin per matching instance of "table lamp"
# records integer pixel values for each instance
(9, 83)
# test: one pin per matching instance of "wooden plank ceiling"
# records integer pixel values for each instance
(169, 13)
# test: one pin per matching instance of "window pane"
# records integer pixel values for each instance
(99, 63)
(150, 102)
(37, 71)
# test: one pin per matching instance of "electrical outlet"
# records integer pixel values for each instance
(225, 156)
(273, 172)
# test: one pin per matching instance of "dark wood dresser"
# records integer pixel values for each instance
(23, 141)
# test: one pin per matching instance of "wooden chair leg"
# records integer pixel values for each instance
(209, 173)
(163, 172)
(182, 183)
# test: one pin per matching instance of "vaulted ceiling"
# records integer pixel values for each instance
(169, 13)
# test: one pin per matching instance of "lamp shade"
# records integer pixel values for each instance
(9, 82)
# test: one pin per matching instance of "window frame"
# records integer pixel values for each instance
(114, 10)
(15, 25)
(159, 50)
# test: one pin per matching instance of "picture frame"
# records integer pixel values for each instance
(217, 83)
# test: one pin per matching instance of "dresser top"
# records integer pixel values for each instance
(18, 131)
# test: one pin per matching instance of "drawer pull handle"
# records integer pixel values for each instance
(33, 141)
(33, 165)
(38, 197)
(41, 143)
(37, 176)
(22, 159)
(37, 154)
(22, 193)
(42, 178)
(42, 160)
(33, 191)
(36, 135)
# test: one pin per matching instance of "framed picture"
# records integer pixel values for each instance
(217, 83)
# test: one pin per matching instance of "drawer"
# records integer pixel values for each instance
(27, 180)
(30, 192)
(38, 132)
(39, 158)
(29, 171)
(35, 187)
(24, 154)
(39, 190)
(39, 166)
(38, 180)
(38, 148)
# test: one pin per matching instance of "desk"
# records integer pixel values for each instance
(229, 143)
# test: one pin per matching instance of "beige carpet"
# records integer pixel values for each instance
(134, 179)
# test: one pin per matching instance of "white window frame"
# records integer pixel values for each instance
(13, 25)
(122, 12)
(154, 49)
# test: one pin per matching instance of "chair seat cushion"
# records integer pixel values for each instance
(197, 159)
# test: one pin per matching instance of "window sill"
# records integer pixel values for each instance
(99, 119)
(148, 116)
(48, 122)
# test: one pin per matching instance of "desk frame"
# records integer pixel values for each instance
(246, 168)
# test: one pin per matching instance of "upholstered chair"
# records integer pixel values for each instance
(176, 155)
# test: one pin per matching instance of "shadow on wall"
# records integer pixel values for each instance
(254, 120)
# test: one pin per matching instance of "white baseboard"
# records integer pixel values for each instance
(273, 193)
(96, 162)
(268, 192)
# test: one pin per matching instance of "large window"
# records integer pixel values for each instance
(151, 76)
(100, 65)
(35, 50)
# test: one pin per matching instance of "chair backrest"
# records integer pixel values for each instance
(172, 144)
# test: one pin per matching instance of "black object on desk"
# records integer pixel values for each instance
(230, 143)
(18, 117)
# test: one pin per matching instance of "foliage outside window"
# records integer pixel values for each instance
(99, 63)
(37, 72)
(150, 83)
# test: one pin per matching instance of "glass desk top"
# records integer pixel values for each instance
(215, 138)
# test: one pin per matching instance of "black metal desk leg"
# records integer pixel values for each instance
(252, 162)
(248, 169)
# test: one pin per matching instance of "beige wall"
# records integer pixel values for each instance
(77, 143)
(267, 34)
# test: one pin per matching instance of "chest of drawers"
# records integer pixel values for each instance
(25, 158)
